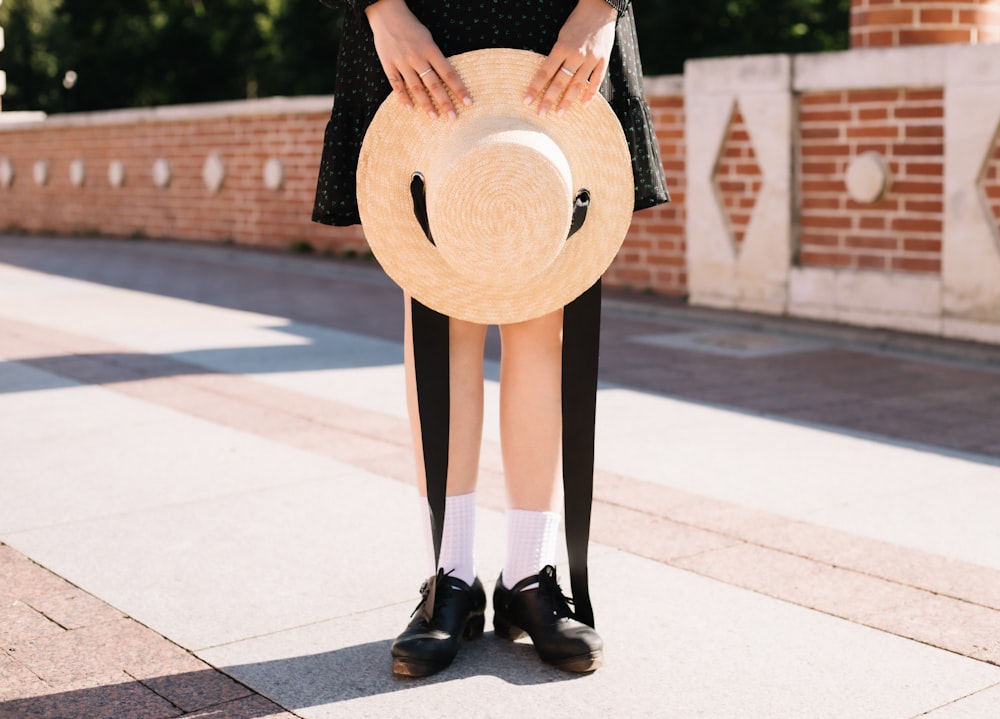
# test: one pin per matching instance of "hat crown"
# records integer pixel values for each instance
(499, 200)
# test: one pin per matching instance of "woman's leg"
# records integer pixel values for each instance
(466, 342)
(531, 431)
(527, 599)
(453, 601)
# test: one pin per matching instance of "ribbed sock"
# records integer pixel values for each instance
(458, 538)
(531, 544)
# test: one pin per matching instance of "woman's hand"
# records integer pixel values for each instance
(578, 62)
(417, 70)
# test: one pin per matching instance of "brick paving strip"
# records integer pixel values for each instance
(66, 653)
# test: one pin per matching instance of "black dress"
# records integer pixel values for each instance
(460, 26)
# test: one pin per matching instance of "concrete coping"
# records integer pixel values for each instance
(172, 113)
(917, 66)
(859, 69)
(659, 85)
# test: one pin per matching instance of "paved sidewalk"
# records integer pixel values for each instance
(206, 506)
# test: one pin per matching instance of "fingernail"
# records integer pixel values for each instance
(527, 99)
(432, 115)
(541, 112)
(467, 100)
(561, 111)
(452, 114)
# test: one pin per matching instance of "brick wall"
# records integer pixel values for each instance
(903, 230)
(243, 209)
(892, 23)
(653, 255)
(245, 136)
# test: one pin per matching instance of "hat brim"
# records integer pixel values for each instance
(396, 145)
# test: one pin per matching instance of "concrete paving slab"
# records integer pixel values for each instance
(132, 458)
(662, 440)
(81, 307)
(955, 518)
(221, 569)
(678, 645)
(981, 705)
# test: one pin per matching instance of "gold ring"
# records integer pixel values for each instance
(421, 75)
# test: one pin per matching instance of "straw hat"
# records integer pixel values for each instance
(522, 213)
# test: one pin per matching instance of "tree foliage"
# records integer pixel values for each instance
(128, 53)
(156, 52)
(672, 32)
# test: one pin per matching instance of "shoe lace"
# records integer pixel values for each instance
(549, 589)
(430, 598)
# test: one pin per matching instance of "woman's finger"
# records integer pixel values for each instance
(584, 86)
(564, 77)
(542, 77)
(452, 81)
(438, 92)
(398, 86)
(415, 86)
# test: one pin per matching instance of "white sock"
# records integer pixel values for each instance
(457, 539)
(531, 544)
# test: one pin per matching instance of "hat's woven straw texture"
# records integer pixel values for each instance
(501, 182)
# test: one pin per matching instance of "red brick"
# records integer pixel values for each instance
(873, 113)
(872, 223)
(930, 206)
(873, 131)
(810, 239)
(910, 149)
(935, 131)
(832, 221)
(929, 169)
(824, 259)
(881, 96)
(943, 16)
(917, 224)
(825, 116)
(918, 111)
(936, 36)
(872, 243)
(916, 264)
(918, 245)
(872, 262)
(890, 16)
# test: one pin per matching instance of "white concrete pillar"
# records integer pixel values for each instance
(970, 260)
(752, 275)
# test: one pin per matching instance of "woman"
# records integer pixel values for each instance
(400, 48)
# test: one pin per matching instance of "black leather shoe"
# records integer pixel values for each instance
(449, 611)
(543, 613)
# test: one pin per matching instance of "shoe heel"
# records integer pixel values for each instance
(505, 630)
(474, 627)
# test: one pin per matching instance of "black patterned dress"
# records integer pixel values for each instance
(460, 26)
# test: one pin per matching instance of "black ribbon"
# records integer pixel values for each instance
(580, 351)
(432, 369)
